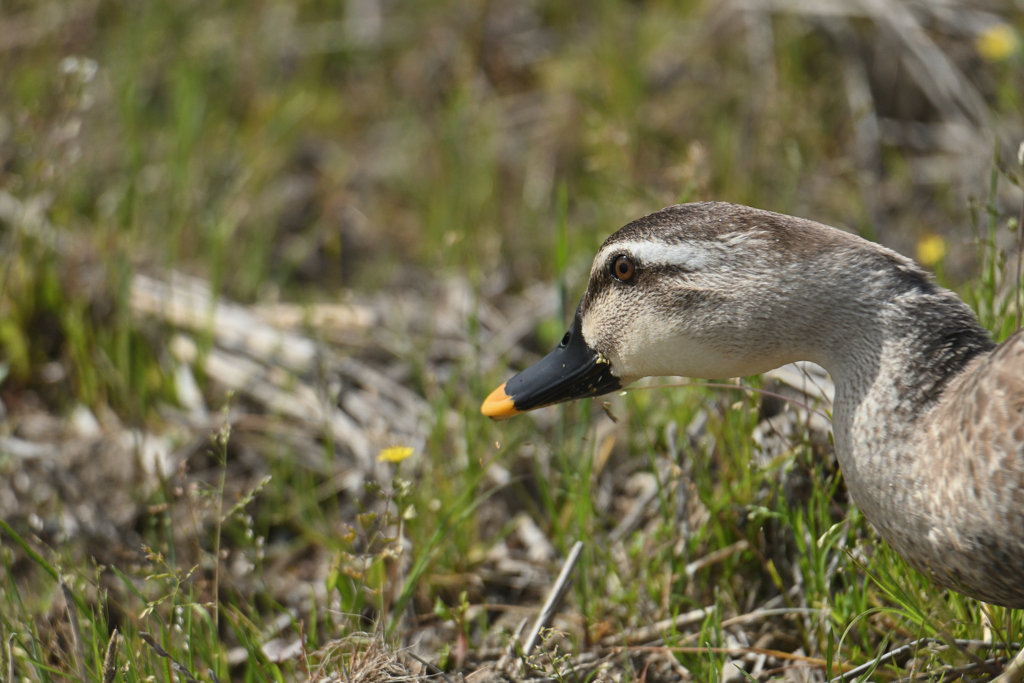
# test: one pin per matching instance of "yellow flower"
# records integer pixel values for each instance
(997, 42)
(930, 250)
(394, 454)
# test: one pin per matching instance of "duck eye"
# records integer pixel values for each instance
(623, 269)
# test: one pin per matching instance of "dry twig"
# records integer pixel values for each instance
(554, 599)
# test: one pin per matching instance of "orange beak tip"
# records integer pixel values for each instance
(499, 405)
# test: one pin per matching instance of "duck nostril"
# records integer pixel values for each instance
(565, 339)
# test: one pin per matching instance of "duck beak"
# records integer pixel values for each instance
(573, 370)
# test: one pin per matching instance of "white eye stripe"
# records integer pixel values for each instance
(658, 254)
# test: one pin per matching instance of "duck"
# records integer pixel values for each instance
(928, 415)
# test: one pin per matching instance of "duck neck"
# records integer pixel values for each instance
(891, 369)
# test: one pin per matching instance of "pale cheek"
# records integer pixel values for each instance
(652, 350)
(636, 360)
(647, 347)
(589, 330)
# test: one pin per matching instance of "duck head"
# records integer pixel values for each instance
(697, 290)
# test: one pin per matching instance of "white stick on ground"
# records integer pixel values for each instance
(554, 600)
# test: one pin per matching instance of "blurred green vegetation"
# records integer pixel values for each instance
(278, 147)
(270, 148)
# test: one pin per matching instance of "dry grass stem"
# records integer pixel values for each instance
(178, 667)
(110, 658)
(77, 647)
